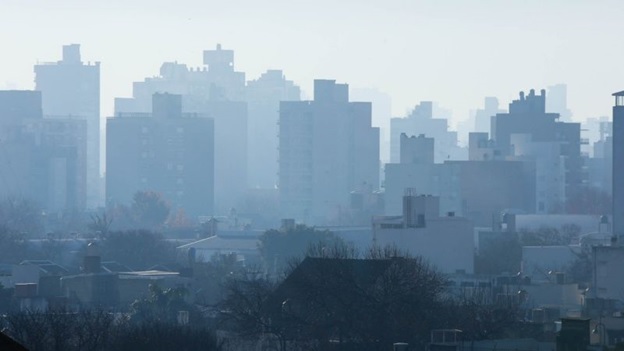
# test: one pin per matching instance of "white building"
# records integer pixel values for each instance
(327, 149)
(447, 242)
(608, 281)
(550, 173)
(263, 98)
(70, 89)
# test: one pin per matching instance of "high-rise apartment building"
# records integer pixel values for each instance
(166, 152)
(483, 115)
(327, 149)
(41, 160)
(618, 167)
(71, 89)
(422, 121)
(263, 99)
(556, 148)
(215, 91)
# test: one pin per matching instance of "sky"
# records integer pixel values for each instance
(454, 52)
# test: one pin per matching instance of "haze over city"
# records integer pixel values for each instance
(329, 176)
(454, 51)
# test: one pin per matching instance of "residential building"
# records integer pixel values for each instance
(167, 152)
(484, 115)
(213, 91)
(550, 172)
(474, 189)
(327, 149)
(446, 241)
(41, 160)
(421, 121)
(607, 281)
(557, 101)
(600, 162)
(528, 115)
(482, 148)
(416, 149)
(263, 99)
(618, 167)
(70, 89)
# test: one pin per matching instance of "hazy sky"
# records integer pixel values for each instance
(455, 52)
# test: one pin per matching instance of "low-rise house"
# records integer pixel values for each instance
(445, 241)
(244, 246)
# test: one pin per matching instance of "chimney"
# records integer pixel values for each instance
(92, 262)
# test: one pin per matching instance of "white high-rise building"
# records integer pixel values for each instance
(327, 149)
(70, 89)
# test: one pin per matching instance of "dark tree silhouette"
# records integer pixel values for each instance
(368, 303)
(162, 306)
(150, 209)
(100, 224)
(13, 245)
(22, 216)
(97, 330)
(138, 249)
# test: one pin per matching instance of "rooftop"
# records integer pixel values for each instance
(219, 243)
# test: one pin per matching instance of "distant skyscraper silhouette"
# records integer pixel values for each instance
(528, 131)
(70, 87)
(422, 121)
(263, 98)
(483, 116)
(41, 160)
(327, 149)
(618, 167)
(166, 151)
(215, 91)
(557, 101)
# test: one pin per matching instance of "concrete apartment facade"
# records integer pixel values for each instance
(327, 149)
(166, 152)
(71, 90)
(41, 160)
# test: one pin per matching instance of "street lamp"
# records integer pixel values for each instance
(600, 328)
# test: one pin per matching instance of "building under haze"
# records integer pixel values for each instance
(446, 241)
(483, 115)
(263, 99)
(598, 135)
(421, 121)
(166, 152)
(618, 167)
(557, 101)
(327, 149)
(41, 160)
(71, 89)
(215, 91)
(477, 189)
(528, 132)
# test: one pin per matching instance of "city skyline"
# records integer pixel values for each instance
(411, 51)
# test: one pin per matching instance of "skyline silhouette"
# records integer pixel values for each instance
(412, 51)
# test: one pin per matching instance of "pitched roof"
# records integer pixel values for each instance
(351, 273)
(47, 267)
(233, 243)
(7, 343)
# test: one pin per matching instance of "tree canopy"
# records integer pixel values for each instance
(137, 249)
(370, 302)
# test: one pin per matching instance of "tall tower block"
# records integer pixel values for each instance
(618, 167)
